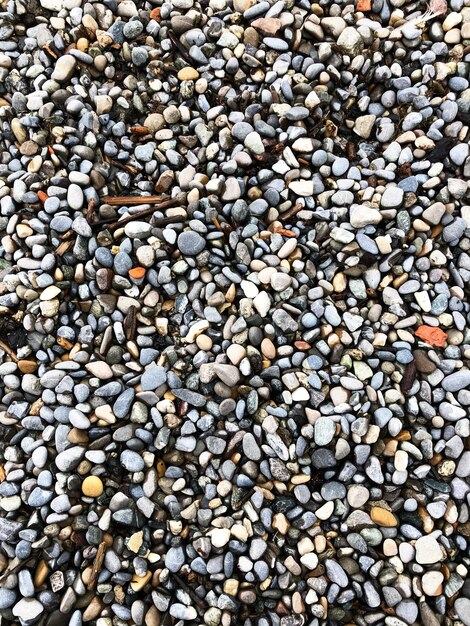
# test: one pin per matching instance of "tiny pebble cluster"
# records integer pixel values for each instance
(234, 312)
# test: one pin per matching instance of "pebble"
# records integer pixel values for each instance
(191, 243)
(458, 380)
(28, 609)
(64, 68)
(92, 487)
(462, 608)
(428, 550)
(153, 377)
(324, 431)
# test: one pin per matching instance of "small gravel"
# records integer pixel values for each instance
(234, 313)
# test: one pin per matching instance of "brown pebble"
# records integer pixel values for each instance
(97, 179)
(27, 367)
(423, 362)
(93, 609)
(251, 36)
(28, 148)
(152, 617)
(268, 27)
(164, 181)
(77, 436)
(41, 573)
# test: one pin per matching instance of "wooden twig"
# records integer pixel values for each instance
(49, 50)
(23, 564)
(130, 323)
(164, 221)
(139, 130)
(91, 211)
(67, 235)
(9, 351)
(182, 50)
(292, 211)
(97, 564)
(133, 200)
(158, 221)
(64, 247)
(195, 598)
(121, 166)
(408, 377)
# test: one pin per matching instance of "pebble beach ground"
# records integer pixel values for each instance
(234, 313)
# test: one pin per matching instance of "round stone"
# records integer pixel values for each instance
(190, 243)
(92, 487)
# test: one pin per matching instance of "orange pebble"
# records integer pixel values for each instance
(431, 335)
(137, 272)
(285, 232)
(42, 195)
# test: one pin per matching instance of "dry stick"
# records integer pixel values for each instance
(9, 351)
(196, 599)
(97, 564)
(122, 166)
(24, 563)
(182, 50)
(288, 214)
(91, 211)
(132, 200)
(408, 377)
(130, 323)
(64, 247)
(156, 222)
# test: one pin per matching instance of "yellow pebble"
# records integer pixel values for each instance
(382, 517)
(82, 44)
(188, 73)
(92, 487)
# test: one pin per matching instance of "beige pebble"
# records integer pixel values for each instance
(390, 547)
(280, 523)
(357, 495)
(452, 20)
(19, 130)
(268, 348)
(339, 282)
(82, 44)
(139, 582)
(188, 73)
(204, 342)
(135, 541)
(293, 566)
(231, 586)
(236, 353)
(23, 231)
(465, 30)
(100, 62)
(452, 36)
